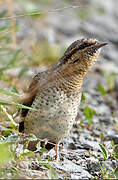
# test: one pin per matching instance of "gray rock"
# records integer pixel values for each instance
(93, 167)
(116, 84)
(113, 138)
(103, 109)
(73, 168)
(106, 120)
(24, 164)
(91, 145)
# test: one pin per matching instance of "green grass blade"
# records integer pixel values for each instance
(21, 106)
(7, 114)
(2, 91)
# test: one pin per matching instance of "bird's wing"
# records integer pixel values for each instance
(40, 82)
(31, 93)
(28, 100)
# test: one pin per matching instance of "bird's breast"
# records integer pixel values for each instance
(55, 114)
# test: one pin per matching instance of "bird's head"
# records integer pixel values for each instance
(82, 54)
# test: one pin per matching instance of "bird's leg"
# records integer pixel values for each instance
(57, 152)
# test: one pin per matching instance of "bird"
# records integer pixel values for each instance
(56, 93)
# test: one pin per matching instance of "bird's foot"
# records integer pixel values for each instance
(57, 153)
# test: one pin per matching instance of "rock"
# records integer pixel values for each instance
(72, 146)
(83, 175)
(93, 167)
(91, 145)
(113, 138)
(106, 120)
(103, 109)
(24, 164)
(72, 168)
(116, 84)
(110, 165)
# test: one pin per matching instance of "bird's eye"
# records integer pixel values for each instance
(91, 52)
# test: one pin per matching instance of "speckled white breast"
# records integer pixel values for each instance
(55, 116)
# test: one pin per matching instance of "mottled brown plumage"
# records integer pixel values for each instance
(56, 93)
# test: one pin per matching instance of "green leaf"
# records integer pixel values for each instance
(3, 13)
(2, 28)
(28, 154)
(47, 165)
(115, 152)
(5, 154)
(6, 132)
(22, 71)
(32, 137)
(40, 149)
(101, 89)
(39, 159)
(13, 59)
(30, 8)
(101, 136)
(2, 91)
(111, 81)
(13, 127)
(89, 112)
(11, 62)
(6, 103)
(83, 98)
(116, 173)
(5, 68)
(104, 151)
(90, 122)
(13, 89)
(52, 174)
(43, 150)
(7, 114)
(21, 106)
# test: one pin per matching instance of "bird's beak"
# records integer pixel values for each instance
(99, 45)
(95, 46)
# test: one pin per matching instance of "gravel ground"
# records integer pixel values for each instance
(80, 157)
